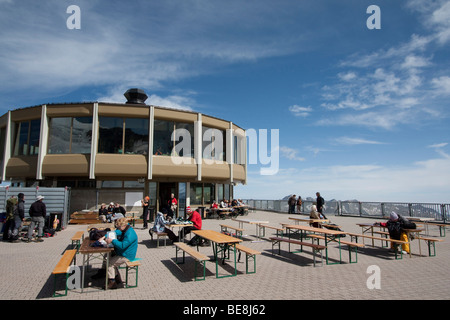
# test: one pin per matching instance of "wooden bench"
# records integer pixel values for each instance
(430, 241)
(396, 243)
(158, 235)
(76, 240)
(264, 226)
(316, 248)
(198, 257)
(249, 254)
(63, 267)
(132, 266)
(441, 226)
(238, 231)
(351, 245)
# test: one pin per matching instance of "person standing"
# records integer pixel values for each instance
(172, 204)
(38, 212)
(145, 203)
(299, 204)
(19, 217)
(320, 202)
(11, 209)
(291, 203)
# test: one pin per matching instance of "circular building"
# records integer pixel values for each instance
(110, 152)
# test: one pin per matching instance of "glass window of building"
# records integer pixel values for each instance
(226, 192)
(123, 135)
(70, 135)
(110, 135)
(239, 149)
(81, 135)
(213, 145)
(162, 143)
(220, 193)
(27, 138)
(196, 191)
(59, 135)
(168, 138)
(208, 193)
(184, 131)
(136, 136)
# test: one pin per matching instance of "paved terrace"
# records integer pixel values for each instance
(26, 270)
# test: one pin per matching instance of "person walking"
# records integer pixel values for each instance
(38, 212)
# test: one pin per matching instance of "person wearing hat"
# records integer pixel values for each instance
(196, 220)
(38, 212)
(395, 226)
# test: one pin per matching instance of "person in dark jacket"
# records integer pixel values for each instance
(395, 226)
(320, 203)
(38, 212)
(19, 217)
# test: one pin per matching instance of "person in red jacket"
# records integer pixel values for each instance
(196, 220)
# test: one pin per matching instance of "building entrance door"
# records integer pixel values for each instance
(165, 190)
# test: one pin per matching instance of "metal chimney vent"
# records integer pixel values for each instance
(135, 96)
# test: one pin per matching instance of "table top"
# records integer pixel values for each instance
(309, 220)
(318, 230)
(179, 225)
(377, 225)
(86, 248)
(420, 219)
(217, 237)
(251, 221)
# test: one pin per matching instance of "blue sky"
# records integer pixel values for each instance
(362, 114)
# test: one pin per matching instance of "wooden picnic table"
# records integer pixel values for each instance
(256, 222)
(180, 226)
(368, 227)
(221, 243)
(89, 252)
(329, 235)
(425, 221)
(221, 212)
(308, 220)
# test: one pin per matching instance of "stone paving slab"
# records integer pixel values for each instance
(26, 270)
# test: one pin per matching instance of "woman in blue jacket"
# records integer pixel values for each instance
(125, 247)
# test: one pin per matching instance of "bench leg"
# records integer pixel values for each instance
(396, 252)
(350, 254)
(314, 257)
(442, 231)
(55, 295)
(136, 268)
(203, 263)
(251, 257)
(176, 255)
(429, 248)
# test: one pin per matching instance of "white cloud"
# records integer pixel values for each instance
(438, 145)
(442, 85)
(290, 153)
(424, 181)
(355, 141)
(299, 111)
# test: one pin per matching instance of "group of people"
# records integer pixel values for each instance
(236, 206)
(111, 212)
(162, 221)
(170, 208)
(15, 211)
(294, 202)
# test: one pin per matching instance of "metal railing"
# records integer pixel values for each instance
(440, 212)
